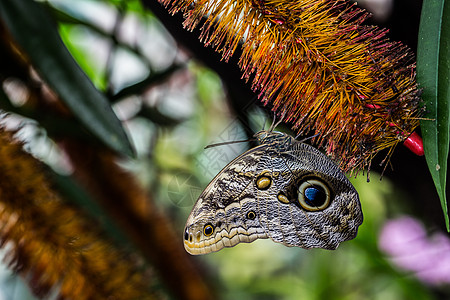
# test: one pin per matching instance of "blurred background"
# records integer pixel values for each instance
(174, 97)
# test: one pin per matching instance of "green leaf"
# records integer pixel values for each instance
(433, 75)
(31, 26)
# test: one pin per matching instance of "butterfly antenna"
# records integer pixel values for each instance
(274, 125)
(307, 138)
(264, 123)
(273, 122)
(227, 143)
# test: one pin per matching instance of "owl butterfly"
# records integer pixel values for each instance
(282, 189)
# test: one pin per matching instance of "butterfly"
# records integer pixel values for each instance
(282, 189)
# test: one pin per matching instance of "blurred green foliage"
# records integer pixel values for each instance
(171, 107)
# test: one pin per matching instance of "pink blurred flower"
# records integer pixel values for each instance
(410, 248)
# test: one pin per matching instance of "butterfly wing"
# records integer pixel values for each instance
(225, 212)
(309, 203)
(282, 189)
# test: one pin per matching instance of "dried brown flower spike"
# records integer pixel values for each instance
(54, 245)
(319, 66)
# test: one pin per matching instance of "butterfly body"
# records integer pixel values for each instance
(282, 189)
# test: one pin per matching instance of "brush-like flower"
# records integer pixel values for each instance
(54, 245)
(320, 68)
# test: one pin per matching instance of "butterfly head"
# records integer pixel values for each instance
(280, 138)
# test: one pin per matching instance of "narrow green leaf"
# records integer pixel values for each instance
(32, 28)
(433, 74)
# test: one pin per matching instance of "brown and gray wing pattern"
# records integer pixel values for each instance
(225, 205)
(282, 189)
(282, 216)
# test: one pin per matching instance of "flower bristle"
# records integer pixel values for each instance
(54, 245)
(320, 67)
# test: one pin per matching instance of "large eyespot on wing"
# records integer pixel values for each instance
(316, 206)
(314, 194)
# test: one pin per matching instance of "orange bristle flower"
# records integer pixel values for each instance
(319, 67)
(55, 246)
